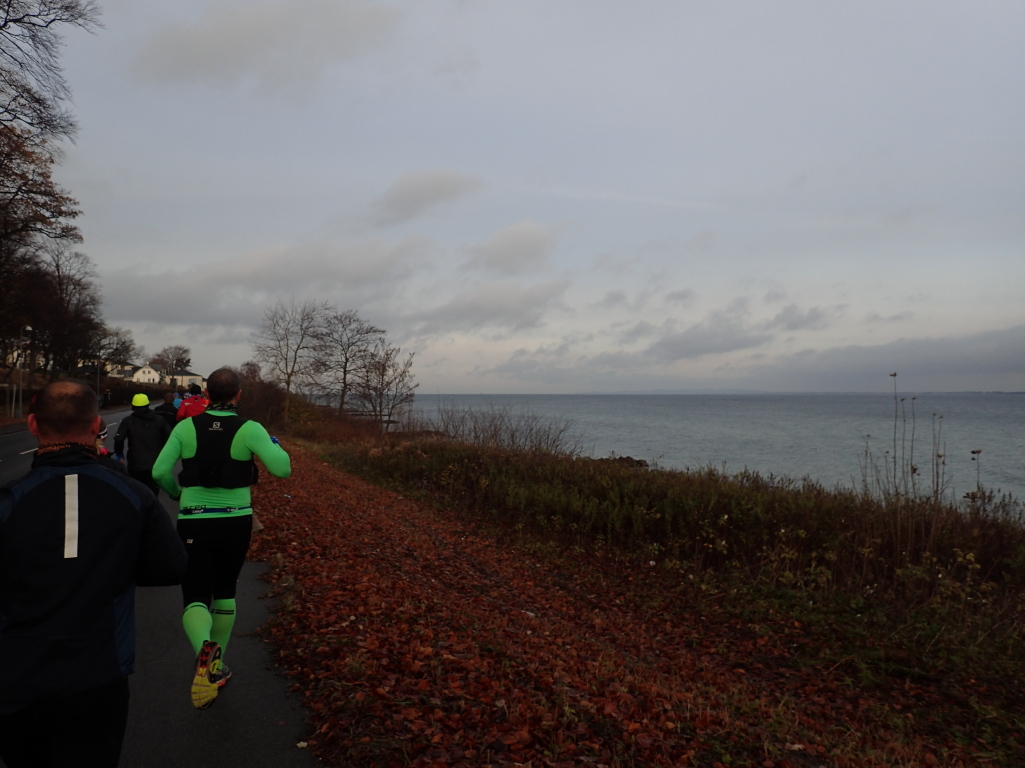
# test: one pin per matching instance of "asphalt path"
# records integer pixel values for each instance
(16, 448)
(17, 445)
(256, 722)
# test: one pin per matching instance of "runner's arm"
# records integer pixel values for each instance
(119, 438)
(270, 453)
(163, 467)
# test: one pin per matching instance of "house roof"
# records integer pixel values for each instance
(180, 373)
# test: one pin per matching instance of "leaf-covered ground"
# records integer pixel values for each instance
(416, 640)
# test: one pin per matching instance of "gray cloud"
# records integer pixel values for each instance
(711, 337)
(516, 249)
(458, 67)
(923, 363)
(234, 292)
(602, 372)
(875, 317)
(281, 47)
(638, 331)
(613, 299)
(682, 296)
(722, 331)
(702, 242)
(791, 318)
(418, 191)
(901, 218)
(501, 306)
(559, 362)
(617, 299)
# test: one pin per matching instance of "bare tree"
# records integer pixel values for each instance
(33, 121)
(386, 384)
(117, 347)
(34, 212)
(347, 342)
(32, 85)
(250, 371)
(32, 205)
(66, 308)
(289, 343)
(172, 358)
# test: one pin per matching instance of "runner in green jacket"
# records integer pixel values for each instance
(217, 450)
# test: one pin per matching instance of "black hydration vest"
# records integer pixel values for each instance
(212, 466)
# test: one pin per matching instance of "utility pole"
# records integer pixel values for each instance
(21, 357)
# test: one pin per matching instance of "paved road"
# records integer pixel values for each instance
(17, 445)
(256, 722)
(16, 448)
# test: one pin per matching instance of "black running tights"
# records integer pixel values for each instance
(217, 548)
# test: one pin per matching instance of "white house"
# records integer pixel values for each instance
(183, 378)
(145, 374)
(151, 374)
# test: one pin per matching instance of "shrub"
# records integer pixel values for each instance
(943, 578)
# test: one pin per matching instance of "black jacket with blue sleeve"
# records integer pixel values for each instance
(75, 540)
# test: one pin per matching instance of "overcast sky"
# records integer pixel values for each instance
(573, 196)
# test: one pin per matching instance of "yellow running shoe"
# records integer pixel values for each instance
(204, 688)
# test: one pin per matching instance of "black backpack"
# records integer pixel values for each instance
(212, 466)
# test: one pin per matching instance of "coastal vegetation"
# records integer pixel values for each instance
(508, 601)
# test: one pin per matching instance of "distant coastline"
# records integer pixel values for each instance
(826, 437)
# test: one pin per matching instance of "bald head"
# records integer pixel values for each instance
(223, 384)
(65, 411)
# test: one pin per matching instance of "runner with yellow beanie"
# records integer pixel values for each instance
(145, 432)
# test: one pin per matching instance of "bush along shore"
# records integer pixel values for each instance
(448, 604)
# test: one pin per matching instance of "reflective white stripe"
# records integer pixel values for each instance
(70, 516)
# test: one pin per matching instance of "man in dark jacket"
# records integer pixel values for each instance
(146, 434)
(168, 410)
(75, 540)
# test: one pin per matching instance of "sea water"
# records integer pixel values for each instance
(830, 438)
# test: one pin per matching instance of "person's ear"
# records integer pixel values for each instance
(96, 426)
(33, 426)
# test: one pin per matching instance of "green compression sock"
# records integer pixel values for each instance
(223, 621)
(198, 623)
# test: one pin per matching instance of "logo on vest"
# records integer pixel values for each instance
(216, 427)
